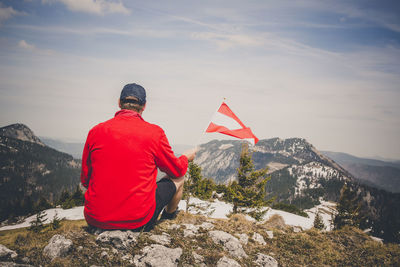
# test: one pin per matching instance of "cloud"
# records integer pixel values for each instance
(7, 13)
(225, 41)
(32, 48)
(24, 45)
(99, 7)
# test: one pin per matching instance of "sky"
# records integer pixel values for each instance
(326, 71)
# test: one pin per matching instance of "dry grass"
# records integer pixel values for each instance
(347, 247)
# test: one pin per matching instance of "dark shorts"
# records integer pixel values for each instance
(165, 191)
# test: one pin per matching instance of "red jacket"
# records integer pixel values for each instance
(119, 170)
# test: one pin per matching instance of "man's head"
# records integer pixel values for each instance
(133, 97)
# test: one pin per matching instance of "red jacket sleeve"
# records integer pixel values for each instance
(167, 162)
(86, 168)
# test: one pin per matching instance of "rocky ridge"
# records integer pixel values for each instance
(192, 240)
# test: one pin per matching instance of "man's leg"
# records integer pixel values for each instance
(173, 204)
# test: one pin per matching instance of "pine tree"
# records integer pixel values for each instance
(37, 224)
(318, 222)
(249, 191)
(348, 209)
(56, 222)
(196, 185)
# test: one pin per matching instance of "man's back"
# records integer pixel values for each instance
(119, 167)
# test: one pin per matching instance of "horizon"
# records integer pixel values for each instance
(377, 157)
(328, 72)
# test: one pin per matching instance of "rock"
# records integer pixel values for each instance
(259, 239)
(80, 248)
(58, 246)
(13, 264)
(265, 261)
(190, 230)
(270, 234)
(297, 229)
(118, 239)
(174, 226)
(207, 226)
(243, 239)
(104, 254)
(127, 258)
(163, 239)
(227, 262)
(158, 256)
(198, 259)
(6, 253)
(229, 242)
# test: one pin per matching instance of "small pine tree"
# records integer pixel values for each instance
(56, 222)
(38, 224)
(348, 209)
(318, 222)
(249, 191)
(196, 185)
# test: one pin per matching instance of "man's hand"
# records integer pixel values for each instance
(190, 154)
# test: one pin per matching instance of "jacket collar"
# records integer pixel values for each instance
(128, 113)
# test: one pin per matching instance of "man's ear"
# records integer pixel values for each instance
(119, 103)
(144, 106)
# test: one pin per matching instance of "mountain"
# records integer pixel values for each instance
(302, 176)
(377, 173)
(21, 132)
(73, 148)
(30, 170)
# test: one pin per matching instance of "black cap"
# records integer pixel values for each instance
(134, 90)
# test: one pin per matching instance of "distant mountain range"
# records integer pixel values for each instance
(30, 170)
(376, 173)
(301, 176)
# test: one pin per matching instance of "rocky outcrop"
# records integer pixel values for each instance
(265, 261)
(227, 262)
(6, 254)
(158, 256)
(118, 239)
(258, 239)
(58, 246)
(229, 243)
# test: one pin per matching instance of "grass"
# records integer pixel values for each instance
(346, 247)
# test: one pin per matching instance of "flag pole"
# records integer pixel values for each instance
(204, 131)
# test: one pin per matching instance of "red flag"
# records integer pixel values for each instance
(226, 122)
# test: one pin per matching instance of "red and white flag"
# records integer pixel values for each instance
(226, 122)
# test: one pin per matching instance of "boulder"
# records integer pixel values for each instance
(58, 246)
(270, 234)
(118, 239)
(227, 262)
(243, 239)
(198, 259)
(190, 230)
(163, 239)
(265, 261)
(6, 253)
(259, 239)
(229, 242)
(158, 256)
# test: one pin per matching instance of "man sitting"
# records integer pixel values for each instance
(119, 169)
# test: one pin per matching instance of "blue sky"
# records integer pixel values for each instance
(327, 71)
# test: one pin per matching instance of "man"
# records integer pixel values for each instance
(119, 169)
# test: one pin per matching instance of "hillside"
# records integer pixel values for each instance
(30, 170)
(193, 240)
(302, 176)
(377, 173)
